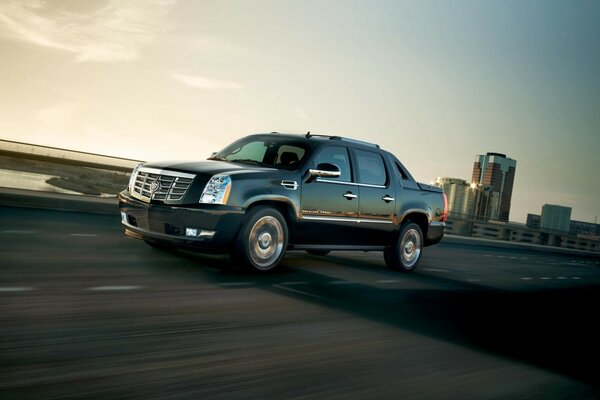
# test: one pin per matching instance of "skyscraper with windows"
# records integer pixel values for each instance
(496, 171)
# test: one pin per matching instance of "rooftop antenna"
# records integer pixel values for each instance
(308, 134)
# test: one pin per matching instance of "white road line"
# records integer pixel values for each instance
(115, 287)
(436, 270)
(526, 278)
(14, 289)
(237, 283)
(289, 289)
(487, 255)
(83, 234)
(18, 231)
(294, 283)
(388, 281)
(545, 278)
(576, 277)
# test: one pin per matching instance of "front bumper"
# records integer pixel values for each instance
(167, 224)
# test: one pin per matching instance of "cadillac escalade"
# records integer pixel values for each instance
(268, 193)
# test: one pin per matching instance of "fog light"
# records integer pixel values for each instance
(191, 232)
(123, 217)
(207, 234)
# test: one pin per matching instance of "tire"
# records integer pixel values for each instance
(405, 254)
(262, 240)
(318, 252)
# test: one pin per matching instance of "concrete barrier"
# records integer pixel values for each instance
(481, 242)
(58, 201)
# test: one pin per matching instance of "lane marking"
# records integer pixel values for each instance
(545, 278)
(388, 281)
(236, 283)
(15, 289)
(115, 287)
(436, 270)
(83, 234)
(289, 289)
(526, 278)
(18, 231)
(487, 255)
(576, 277)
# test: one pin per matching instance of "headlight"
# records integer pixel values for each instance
(133, 177)
(217, 190)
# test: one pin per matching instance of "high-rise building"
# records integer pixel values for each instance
(459, 194)
(555, 217)
(498, 172)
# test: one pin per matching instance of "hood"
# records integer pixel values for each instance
(207, 167)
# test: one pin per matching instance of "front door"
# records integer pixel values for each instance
(329, 207)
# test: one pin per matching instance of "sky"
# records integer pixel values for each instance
(434, 82)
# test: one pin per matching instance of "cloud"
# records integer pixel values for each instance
(202, 82)
(113, 31)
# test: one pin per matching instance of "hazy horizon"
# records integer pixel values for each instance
(433, 82)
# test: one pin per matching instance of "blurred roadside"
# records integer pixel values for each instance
(49, 169)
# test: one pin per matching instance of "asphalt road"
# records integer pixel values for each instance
(88, 313)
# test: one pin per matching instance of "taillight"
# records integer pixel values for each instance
(445, 214)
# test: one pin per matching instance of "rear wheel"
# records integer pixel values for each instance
(406, 253)
(318, 252)
(262, 240)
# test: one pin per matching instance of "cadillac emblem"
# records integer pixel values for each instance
(154, 186)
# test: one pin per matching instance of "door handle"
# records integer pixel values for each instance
(350, 195)
(387, 198)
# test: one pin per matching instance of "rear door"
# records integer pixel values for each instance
(377, 197)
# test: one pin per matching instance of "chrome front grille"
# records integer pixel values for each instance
(160, 185)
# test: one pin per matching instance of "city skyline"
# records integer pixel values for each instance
(433, 83)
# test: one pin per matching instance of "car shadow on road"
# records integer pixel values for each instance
(553, 329)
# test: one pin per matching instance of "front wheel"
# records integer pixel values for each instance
(262, 240)
(406, 253)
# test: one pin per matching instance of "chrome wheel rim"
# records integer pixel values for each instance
(410, 248)
(266, 242)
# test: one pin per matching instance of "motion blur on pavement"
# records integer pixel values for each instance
(88, 313)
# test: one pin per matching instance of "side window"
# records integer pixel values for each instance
(289, 155)
(402, 173)
(371, 169)
(338, 156)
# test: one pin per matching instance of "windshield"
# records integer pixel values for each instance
(264, 151)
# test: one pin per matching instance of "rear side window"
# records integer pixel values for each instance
(371, 169)
(338, 156)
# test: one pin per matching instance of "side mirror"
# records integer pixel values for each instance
(325, 170)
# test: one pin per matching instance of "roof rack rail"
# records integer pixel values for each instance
(356, 141)
(343, 139)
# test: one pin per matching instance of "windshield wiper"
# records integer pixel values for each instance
(248, 161)
(215, 158)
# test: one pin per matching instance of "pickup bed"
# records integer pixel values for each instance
(268, 193)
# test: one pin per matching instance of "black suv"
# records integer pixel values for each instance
(268, 193)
